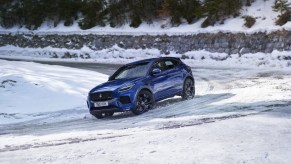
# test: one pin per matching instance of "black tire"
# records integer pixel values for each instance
(144, 102)
(188, 89)
(102, 115)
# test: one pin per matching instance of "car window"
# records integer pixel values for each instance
(160, 65)
(131, 71)
(170, 64)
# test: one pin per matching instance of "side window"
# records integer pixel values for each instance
(170, 64)
(160, 65)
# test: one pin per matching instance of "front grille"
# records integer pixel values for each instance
(101, 96)
(124, 99)
(103, 108)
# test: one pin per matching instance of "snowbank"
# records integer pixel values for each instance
(117, 55)
(27, 88)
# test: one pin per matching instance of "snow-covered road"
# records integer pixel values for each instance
(238, 116)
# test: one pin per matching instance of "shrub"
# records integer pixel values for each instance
(209, 21)
(249, 21)
(205, 23)
(283, 19)
(135, 21)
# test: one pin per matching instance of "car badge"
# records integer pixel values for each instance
(100, 95)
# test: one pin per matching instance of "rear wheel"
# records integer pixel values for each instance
(144, 102)
(188, 89)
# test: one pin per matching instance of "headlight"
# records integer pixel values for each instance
(126, 87)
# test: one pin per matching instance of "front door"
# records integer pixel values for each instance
(159, 82)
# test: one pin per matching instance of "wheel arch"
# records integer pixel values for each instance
(144, 88)
(189, 77)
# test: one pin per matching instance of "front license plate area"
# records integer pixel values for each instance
(101, 104)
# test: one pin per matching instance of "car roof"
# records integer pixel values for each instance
(151, 60)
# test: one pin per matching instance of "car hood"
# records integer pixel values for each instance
(114, 84)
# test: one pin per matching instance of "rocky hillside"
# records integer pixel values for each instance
(230, 43)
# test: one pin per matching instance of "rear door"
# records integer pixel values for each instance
(174, 76)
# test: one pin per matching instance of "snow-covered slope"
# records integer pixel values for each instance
(117, 55)
(27, 90)
(238, 116)
(260, 9)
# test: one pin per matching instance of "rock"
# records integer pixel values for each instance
(184, 57)
(217, 42)
(244, 51)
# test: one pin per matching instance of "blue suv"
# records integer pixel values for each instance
(138, 86)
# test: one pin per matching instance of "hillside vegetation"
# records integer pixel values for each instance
(31, 14)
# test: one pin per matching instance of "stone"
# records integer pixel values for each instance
(230, 43)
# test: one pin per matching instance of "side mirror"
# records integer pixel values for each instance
(156, 71)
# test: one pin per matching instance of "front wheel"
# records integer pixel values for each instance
(144, 102)
(188, 89)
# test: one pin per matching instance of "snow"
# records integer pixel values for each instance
(29, 90)
(237, 116)
(240, 114)
(245, 141)
(117, 55)
(260, 9)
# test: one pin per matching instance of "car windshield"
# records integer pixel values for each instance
(131, 71)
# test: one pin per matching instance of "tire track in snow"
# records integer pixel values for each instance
(205, 120)
(164, 126)
(51, 143)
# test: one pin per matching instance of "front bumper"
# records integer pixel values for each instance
(116, 104)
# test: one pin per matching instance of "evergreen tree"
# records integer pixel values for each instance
(191, 10)
(150, 9)
(135, 20)
(52, 11)
(211, 9)
(92, 11)
(117, 12)
(176, 11)
(10, 13)
(135, 10)
(218, 10)
(281, 6)
(68, 10)
(33, 13)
